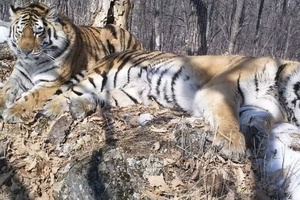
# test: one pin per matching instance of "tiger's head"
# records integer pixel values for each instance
(36, 30)
(289, 91)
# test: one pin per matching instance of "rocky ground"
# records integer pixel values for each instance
(136, 152)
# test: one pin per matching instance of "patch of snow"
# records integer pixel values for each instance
(4, 31)
(145, 118)
(284, 154)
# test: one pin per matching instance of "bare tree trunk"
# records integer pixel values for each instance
(235, 28)
(113, 12)
(101, 17)
(157, 32)
(258, 22)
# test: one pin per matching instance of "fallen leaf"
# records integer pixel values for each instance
(176, 182)
(158, 130)
(150, 195)
(195, 175)
(169, 161)
(156, 146)
(158, 181)
(32, 165)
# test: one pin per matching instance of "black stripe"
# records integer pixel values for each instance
(23, 74)
(36, 5)
(76, 92)
(129, 41)
(54, 33)
(175, 77)
(239, 89)
(104, 80)
(59, 53)
(112, 30)
(91, 80)
(159, 81)
(280, 69)
(76, 79)
(111, 47)
(42, 80)
(97, 71)
(49, 69)
(80, 74)
(96, 51)
(130, 97)
(165, 94)
(58, 92)
(256, 82)
(105, 50)
(116, 102)
(124, 62)
(69, 82)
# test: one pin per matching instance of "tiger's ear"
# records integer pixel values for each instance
(51, 13)
(13, 11)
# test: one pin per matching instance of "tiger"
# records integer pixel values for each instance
(51, 50)
(238, 96)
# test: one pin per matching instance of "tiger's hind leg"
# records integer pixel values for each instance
(255, 124)
(219, 105)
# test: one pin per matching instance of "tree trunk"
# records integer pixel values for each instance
(258, 22)
(113, 12)
(236, 25)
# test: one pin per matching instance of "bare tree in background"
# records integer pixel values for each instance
(236, 25)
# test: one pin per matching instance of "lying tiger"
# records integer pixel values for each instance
(235, 94)
(50, 50)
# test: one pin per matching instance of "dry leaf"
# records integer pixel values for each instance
(158, 130)
(31, 166)
(150, 195)
(43, 155)
(159, 182)
(35, 146)
(156, 146)
(134, 121)
(169, 161)
(176, 182)
(195, 175)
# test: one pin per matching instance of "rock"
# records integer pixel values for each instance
(107, 174)
(5, 52)
(59, 129)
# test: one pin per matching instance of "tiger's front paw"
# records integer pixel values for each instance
(55, 107)
(231, 145)
(82, 106)
(17, 113)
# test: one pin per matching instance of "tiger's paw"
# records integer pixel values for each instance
(82, 106)
(54, 108)
(231, 146)
(16, 113)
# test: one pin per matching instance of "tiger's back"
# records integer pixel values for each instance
(94, 43)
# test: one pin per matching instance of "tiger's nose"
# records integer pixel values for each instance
(26, 51)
